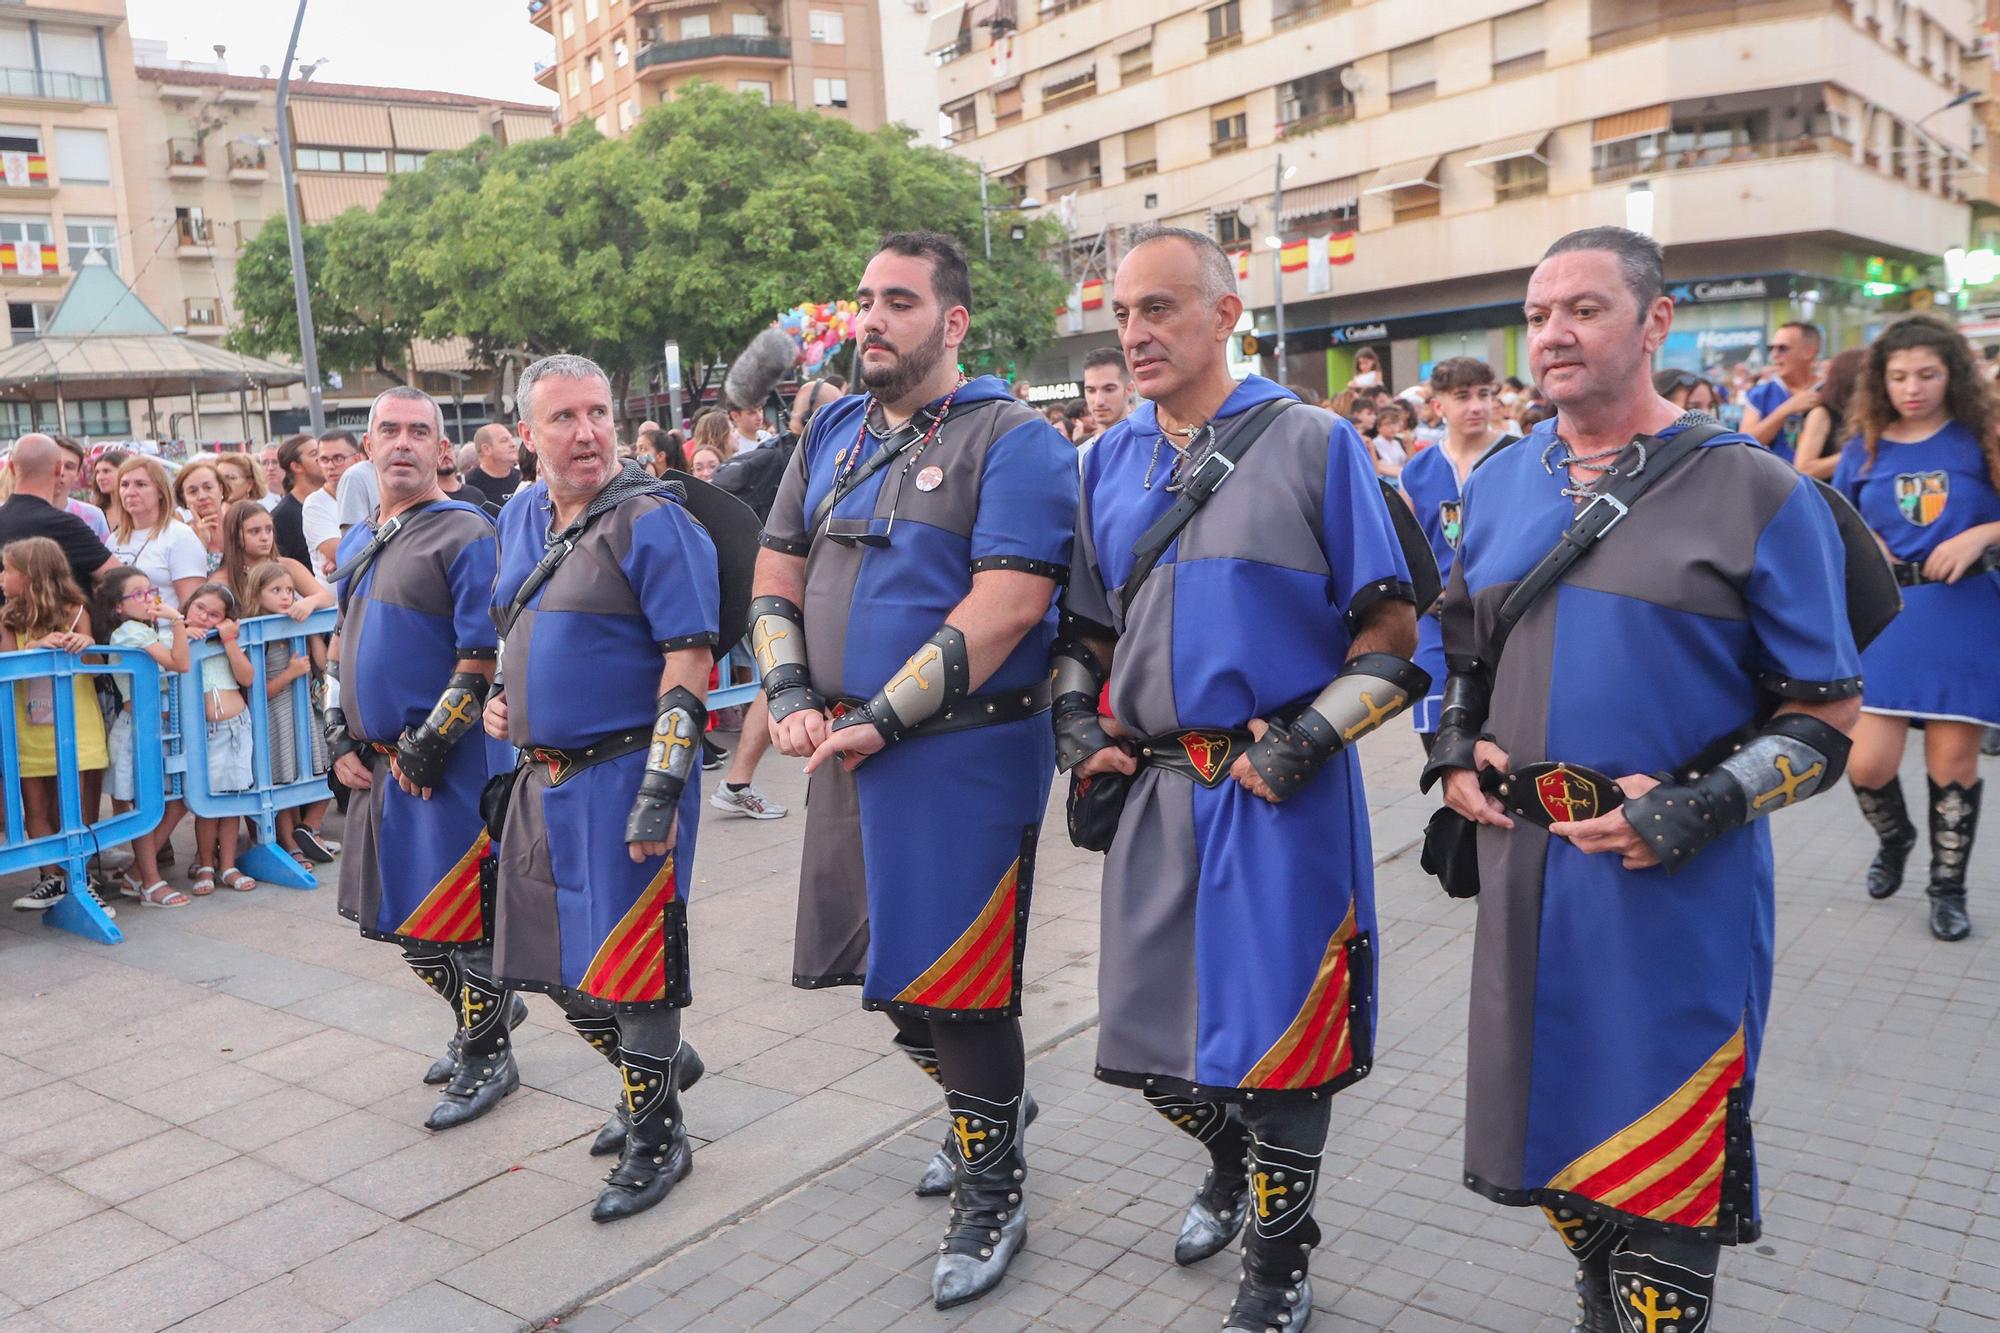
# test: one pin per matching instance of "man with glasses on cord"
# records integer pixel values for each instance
(603, 677)
(903, 621)
(415, 647)
(1266, 629)
(1690, 672)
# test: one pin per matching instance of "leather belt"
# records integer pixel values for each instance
(566, 764)
(1201, 753)
(975, 710)
(1912, 575)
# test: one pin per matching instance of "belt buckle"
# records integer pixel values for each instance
(560, 765)
(1201, 469)
(1617, 517)
(837, 710)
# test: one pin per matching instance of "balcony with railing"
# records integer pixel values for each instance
(187, 159)
(196, 237)
(53, 85)
(707, 50)
(542, 13)
(203, 315)
(1291, 13)
(248, 163)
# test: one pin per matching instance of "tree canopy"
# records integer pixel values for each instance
(713, 215)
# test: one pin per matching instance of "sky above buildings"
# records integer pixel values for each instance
(482, 47)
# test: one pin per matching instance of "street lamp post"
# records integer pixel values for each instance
(1278, 259)
(308, 342)
(1027, 204)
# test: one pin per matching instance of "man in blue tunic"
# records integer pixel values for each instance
(416, 647)
(608, 603)
(904, 613)
(1433, 483)
(1774, 411)
(1622, 964)
(1237, 978)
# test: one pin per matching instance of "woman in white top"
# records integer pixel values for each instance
(199, 489)
(1367, 369)
(146, 535)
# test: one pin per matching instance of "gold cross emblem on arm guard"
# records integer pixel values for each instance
(913, 670)
(1376, 715)
(664, 745)
(1787, 790)
(762, 640)
(457, 710)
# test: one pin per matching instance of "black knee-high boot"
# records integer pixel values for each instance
(1884, 809)
(1664, 1281)
(438, 967)
(1216, 1214)
(1590, 1243)
(656, 1154)
(1954, 822)
(600, 1030)
(913, 1038)
(1286, 1141)
(486, 1071)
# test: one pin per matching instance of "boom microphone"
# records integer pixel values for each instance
(759, 368)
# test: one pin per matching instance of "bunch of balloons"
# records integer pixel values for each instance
(820, 329)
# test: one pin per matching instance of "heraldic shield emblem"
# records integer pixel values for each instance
(1448, 522)
(1551, 793)
(1922, 495)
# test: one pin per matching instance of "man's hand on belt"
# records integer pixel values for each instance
(1613, 832)
(1112, 758)
(1463, 793)
(352, 770)
(799, 734)
(1246, 773)
(850, 745)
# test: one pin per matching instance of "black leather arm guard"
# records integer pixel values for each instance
(1369, 690)
(675, 749)
(338, 741)
(1461, 719)
(778, 638)
(421, 751)
(935, 677)
(1078, 679)
(1792, 757)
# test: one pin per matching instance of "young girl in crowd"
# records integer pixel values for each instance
(131, 614)
(249, 538)
(270, 588)
(211, 611)
(707, 461)
(45, 609)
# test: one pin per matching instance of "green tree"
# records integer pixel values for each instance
(363, 322)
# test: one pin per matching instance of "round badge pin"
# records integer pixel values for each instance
(930, 478)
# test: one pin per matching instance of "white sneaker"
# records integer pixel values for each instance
(749, 801)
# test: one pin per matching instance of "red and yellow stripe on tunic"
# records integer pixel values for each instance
(976, 972)
(1667, 1165)
(1319, 1045)
(631, 964)
(450, 913)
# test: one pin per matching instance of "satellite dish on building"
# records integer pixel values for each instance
(1247, 214)
(1350, 79)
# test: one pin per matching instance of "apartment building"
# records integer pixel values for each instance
(64, 72)
(616, 58)
(205, 153)
(1399, 165)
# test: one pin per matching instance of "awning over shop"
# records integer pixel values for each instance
(1312, 201)
(1420, 173)
(1531, 144)
(946, 25)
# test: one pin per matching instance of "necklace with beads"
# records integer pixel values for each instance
(851, 456)
(1181, 450)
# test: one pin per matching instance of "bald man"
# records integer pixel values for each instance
(36, 509)
(498, 475)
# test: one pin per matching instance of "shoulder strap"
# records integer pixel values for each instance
(1203, 482)
(878, 460)
(1592, 521)
(362, 559)
(545, 569)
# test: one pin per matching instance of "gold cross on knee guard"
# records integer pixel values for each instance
(967, 1136)
(1266, 1192)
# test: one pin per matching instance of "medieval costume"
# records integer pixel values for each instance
(1436, 493)
(1237, 978)
(919, 864)
(1667, 650)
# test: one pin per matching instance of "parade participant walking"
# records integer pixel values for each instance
(1923, 472)
(1434, 484)
(597, 853)
(903, 622)
(1714, 610)
(416, 646)
(1236, 982)
(1775, 410)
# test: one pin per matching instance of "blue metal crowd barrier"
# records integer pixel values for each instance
(264, 861)
(79, 838)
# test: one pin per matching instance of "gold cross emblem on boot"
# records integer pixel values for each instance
(1261, 1185)
(635, 1087)
(967, 1136)
(1788, 787)
(1650, 1311)
(472, 1005)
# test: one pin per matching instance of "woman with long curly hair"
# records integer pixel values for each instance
(1925, 473)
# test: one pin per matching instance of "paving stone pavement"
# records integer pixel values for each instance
(217, 1125)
